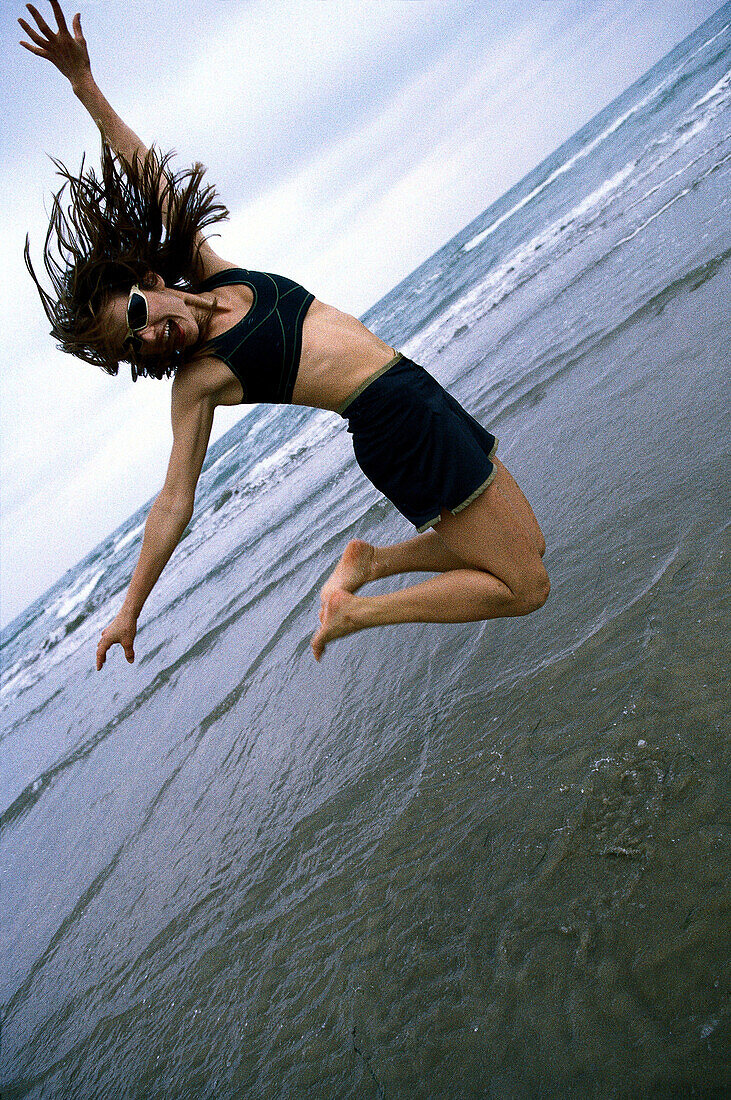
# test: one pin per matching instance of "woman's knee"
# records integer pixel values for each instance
(532, 590)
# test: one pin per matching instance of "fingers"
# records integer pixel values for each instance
(66, 51)
(106, 644)
(34, 49)
(33, 35)
(317, 646)
(59, 16)
(45, 29)
(40, 21)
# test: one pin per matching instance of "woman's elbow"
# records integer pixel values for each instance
(176, 506)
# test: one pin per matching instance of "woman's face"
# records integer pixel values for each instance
(172, 323)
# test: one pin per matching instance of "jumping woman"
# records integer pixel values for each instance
(135, 281)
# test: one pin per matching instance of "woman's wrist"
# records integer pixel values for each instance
(129, 612)
(86, 90)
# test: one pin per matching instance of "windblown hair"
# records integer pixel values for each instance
(135, 220)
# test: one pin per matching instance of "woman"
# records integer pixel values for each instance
(137, 282)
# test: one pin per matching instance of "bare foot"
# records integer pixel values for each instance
(354, 569)
(337, 620)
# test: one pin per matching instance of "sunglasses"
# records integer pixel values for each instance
(137, 318)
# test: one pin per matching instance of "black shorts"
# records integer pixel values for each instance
(416, 444)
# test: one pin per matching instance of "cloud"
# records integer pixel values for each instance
(291, 77)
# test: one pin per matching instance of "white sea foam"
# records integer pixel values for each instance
(719, 90)
(263, 423)
(263, 475)
(221, 458)
(506, 276)
(55, 649)
(316, 430)
(710, 41)
(515, 267)
(586, 150)
(77, 595)
(125, 540)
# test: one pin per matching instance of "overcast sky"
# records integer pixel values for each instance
(349, 138)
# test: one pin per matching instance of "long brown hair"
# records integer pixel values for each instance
(107, 233)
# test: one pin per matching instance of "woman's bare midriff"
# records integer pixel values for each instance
(338, 355)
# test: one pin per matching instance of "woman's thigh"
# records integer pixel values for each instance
(515, 496)
(488, 534)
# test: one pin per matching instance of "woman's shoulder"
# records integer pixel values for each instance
(211, 269)
(206, 378)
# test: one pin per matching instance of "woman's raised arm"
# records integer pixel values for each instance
(69, 53)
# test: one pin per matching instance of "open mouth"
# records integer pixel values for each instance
(172, 336)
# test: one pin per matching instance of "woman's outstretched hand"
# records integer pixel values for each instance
(66, 51)
(122, 630)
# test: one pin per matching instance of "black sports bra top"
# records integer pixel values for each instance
(263, 348)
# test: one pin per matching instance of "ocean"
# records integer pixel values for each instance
(481, 860)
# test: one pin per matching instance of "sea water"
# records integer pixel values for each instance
(449, 861)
